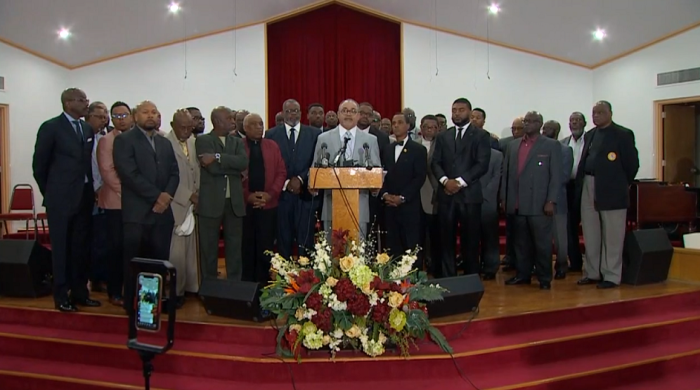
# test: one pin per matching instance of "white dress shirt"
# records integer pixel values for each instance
(577, 146)
(461, 181)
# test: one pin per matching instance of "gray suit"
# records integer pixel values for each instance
(333, 142)
(525, 195)
(490, 251)
(430, 231)
(510, 258)
(560, 217)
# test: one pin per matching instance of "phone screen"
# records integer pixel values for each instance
(149, 294)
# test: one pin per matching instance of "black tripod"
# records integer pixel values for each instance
(147, 359)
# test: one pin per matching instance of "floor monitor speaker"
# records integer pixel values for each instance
(232, 299)
(463, 296)
(25, 269)
(647, 257)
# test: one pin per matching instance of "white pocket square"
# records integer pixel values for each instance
(89, 140)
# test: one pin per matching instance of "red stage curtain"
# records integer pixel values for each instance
(331, 54)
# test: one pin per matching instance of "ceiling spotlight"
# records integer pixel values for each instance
(174, 7)
(64, 33)
(599, 34)
(494, 9)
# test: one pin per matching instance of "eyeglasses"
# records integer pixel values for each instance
(120, 116)
(345, 111)
(292, 111)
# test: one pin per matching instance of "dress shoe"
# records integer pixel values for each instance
(605, 285)
(560, 275)
(66, 307)
(545, 286)
(516, 280)
(586, 281)
(87, 302)
(116, 301)
(488, 276)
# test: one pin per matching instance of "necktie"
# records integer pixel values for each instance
(460, 133)
(398, 143)
(292, 139)
(349, 150)
(78, 131)
(185, 150)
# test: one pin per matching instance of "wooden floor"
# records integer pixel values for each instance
(498, 301)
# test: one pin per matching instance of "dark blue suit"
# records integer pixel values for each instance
(295, 212)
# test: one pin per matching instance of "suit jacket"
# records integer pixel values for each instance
(428, 192)
(332, 140)
(382, 142)
(567, 164)
(212, 187)
(616, 165)
(504, 142)
(61, 163)
(275, 171)
(111, 191)
(491, 181)
(468, 160)
(297, 164)
(538, 183)
(145, 173)
(406, 176)
(188, 166)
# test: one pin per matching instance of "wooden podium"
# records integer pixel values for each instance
(345, 184)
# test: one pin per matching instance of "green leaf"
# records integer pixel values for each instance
(343, 319)
(439, 339)
(423, 293)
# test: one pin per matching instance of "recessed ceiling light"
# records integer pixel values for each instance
(494, 9)
(64, 33)
(174, 7)
(599, 34)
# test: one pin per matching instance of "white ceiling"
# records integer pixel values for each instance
(557, 28)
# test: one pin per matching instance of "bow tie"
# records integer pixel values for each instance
(398, 143)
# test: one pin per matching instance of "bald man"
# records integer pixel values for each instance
(183, 246)
(147, 168)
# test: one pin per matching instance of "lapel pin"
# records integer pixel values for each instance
(405, 150)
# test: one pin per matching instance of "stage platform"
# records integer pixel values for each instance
(569, 338)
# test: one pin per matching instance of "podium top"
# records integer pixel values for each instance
(345, 178)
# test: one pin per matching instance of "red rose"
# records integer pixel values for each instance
(344, 289)
(380, 313)
(314, 301)
(323, 320)
(358, 305)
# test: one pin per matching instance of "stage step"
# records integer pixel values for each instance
(529, 350)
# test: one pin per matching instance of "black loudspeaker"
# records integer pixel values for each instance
(232, 299)
(25, 269)
(463, 296)
(646, 257)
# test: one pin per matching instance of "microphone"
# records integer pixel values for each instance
(325, 160)
(368, 157)
(321, 156)
(342, 151)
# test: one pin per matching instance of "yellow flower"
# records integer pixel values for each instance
(294, 327)
(309, 327)
(303, 261)
(326, 340)
(382, 338)
(353, 332)
(346, 263)
(395, 299)
(397, 319)
(299, 313)
(331, 281)
(366, 289)
(383, 258)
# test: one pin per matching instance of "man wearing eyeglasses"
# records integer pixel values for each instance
(295, 213)
(198, 121)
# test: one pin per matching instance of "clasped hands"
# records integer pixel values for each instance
(162, 203)
(452, 186)
(392, 200)
(294, 186)
(259, 199)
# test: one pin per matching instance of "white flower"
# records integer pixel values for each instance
(373, 299)
(337, 333)
(335, 304)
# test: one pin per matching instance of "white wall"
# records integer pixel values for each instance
(159, 75)
(630, 86)
(518, 82)
(33, 92)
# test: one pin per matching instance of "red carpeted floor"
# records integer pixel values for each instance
(651, 343)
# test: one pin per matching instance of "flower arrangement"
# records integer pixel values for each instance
(347, 296)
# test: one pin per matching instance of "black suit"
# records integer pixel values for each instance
(404, 177)
(145, 172)
(62, 168)
(376, 207)
(467, 159)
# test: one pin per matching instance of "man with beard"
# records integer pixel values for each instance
(62, 166)
(315, 116)
(530, 187)
(221, 204)
(461, 158)
(576, 141)
(149, 177)
(295, 213)
(551, 130)
(609, 164)
(331, 120)
(198, 121)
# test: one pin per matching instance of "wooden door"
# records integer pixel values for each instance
(679, 144)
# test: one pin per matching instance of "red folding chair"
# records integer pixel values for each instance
(21, 209)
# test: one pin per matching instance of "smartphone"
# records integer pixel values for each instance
(149, 292)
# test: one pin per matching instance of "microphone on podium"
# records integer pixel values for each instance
(368, 157)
